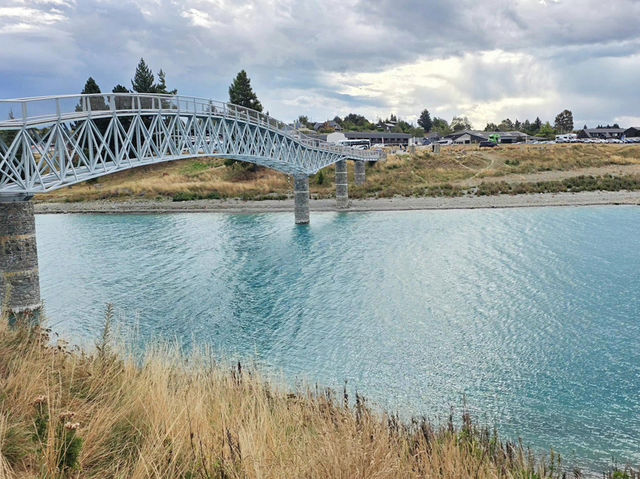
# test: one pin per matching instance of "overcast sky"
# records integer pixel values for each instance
(488, 60)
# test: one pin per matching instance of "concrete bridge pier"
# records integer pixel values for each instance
(361, 174)
(19, 276)
(342, 185)
(301, 196)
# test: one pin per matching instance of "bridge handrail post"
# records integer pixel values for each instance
(58, 108)
(112, 102)
(24, 110)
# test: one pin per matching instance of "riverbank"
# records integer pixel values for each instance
(584, 198)
(66, 413)
(457, 171)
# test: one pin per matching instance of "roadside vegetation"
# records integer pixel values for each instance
(456, 171)
(67, 413)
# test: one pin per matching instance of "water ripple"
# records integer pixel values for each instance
(528, 315)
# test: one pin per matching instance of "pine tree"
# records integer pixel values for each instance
(90, 87)
(161, 87)
(122, 102)
(537, 125)
(97, 102)
(143, 80)
(425, 120)
(241, 93)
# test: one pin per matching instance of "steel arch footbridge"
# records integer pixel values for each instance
(52, 142)
(58, 141)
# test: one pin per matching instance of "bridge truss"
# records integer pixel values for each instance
(48, 143)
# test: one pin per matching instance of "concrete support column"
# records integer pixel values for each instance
(19, 277)
(342, 185)
(301, 195)
(361, 175)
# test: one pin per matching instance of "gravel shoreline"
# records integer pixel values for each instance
(378, 204)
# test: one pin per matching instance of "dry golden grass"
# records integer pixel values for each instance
(406, 175)
(69, 414)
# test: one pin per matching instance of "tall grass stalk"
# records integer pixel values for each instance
(67, 413)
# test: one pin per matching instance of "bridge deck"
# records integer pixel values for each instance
(52, 142)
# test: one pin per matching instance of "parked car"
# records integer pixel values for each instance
(487, 144)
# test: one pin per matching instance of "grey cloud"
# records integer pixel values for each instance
(290, 47)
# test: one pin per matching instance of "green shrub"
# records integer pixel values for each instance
(186, 196)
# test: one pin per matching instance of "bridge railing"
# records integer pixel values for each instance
(21, 112)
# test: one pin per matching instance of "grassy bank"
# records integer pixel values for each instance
(69, 414)
(455, 171)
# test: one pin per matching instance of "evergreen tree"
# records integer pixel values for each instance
(90, 87)
(526, 126)
(161, 87)
(491, 127)
(425, 120)
(241, 93)
(143, 80)
(122, 103)
(97, 102)
(537, 125)
(506, 125)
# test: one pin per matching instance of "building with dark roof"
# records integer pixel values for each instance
(632, 132)
(386, 138)
(603, 133)
(474, 136)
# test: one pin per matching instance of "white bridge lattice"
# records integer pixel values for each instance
(53, 142)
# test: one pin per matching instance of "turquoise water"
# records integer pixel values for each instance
(530, 316)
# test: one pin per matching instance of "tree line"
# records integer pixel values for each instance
(563, 124)
(144, 81)
(354, 122)
(357, 122)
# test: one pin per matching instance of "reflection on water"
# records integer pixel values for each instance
(528, 315)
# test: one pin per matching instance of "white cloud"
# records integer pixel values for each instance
(486, 86)
(488, 60)
(198, 18)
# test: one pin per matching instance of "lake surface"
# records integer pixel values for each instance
(530, 316)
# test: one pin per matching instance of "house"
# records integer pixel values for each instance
(603, 133)
(385, 138)
(632, 132)
(466, 137)
(512, 136)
